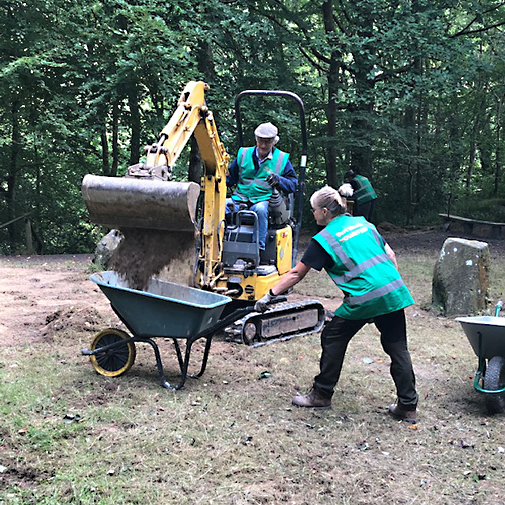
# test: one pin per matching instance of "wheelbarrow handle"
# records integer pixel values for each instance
(234, 316)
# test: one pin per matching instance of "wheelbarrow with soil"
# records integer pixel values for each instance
(164, 309)
(486, 335)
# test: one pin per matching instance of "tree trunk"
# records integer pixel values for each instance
(205, 61)
(12, 177)
(39, 244)
(330, 155)
(115, 137)
(105, 151)
(133, 102)
(498, 152)
(484, 146)
(195, 162)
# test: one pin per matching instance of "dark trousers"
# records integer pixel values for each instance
(365, 209)
(393, 329)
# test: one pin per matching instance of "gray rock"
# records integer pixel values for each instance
(105, 249)
(461, 277)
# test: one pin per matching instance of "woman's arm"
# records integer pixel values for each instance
(391, 254)
(295, 275)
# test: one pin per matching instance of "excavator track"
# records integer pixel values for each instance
(281, 321)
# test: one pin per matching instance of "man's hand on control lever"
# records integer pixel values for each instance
(273, 180)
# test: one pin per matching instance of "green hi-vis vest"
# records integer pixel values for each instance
(252, 185)
(371, 284)
(365, 192)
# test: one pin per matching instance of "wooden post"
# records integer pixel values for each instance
(28, 229)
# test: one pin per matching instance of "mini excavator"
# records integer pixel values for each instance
(227, 253)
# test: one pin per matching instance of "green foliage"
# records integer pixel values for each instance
(410, 93)
(477, 207)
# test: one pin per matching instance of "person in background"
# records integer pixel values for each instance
(364, 267)
(363, 193)
(256, 172)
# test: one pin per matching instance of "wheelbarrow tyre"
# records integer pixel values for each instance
(493, 380)
(115, 361)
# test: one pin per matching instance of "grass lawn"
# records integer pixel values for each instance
(68, 435)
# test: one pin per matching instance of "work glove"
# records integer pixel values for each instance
(346, 190)
(273, 180)
(261, 304)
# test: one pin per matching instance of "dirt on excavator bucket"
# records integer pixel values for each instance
(157, 221)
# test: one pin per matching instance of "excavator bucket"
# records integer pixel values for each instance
(123, 202)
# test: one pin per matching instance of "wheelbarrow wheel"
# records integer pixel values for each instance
(116, 361)
(493, 380)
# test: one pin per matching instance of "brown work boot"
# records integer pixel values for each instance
(314, 399)
(402, 413)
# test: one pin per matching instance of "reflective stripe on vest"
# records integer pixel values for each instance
(354, 270)
(365, 192)
(375, 293)
(246, 163)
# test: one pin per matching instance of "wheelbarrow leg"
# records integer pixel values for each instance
(178, 351)
(185, 363)
(481, 371)
(159, 364)
(205, 357)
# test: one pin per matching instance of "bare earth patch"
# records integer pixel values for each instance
(42, 295)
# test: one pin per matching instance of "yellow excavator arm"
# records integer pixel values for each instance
(159, 219)
(147, 199)
(191, 114)
(192, 117)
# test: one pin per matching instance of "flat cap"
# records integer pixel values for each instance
(266, 131)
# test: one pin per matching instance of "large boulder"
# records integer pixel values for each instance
(105, 249)
(461, 277)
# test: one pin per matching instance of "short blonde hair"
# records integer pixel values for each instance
(330, 198)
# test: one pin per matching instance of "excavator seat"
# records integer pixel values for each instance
(241, 239)
(241, 235)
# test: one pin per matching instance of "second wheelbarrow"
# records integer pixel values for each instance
(486, 335)
(164, 309)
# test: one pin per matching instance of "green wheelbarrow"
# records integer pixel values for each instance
(164, 309)
(486, 335)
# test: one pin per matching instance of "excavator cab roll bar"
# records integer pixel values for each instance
(300, 192)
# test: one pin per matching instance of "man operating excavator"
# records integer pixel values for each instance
(256, 172)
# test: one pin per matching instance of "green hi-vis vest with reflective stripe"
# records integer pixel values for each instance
(252, 186)
(365, 192)
(371, 284)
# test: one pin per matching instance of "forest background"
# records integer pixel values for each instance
(410, 93)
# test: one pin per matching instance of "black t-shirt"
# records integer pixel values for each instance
(316, 257)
